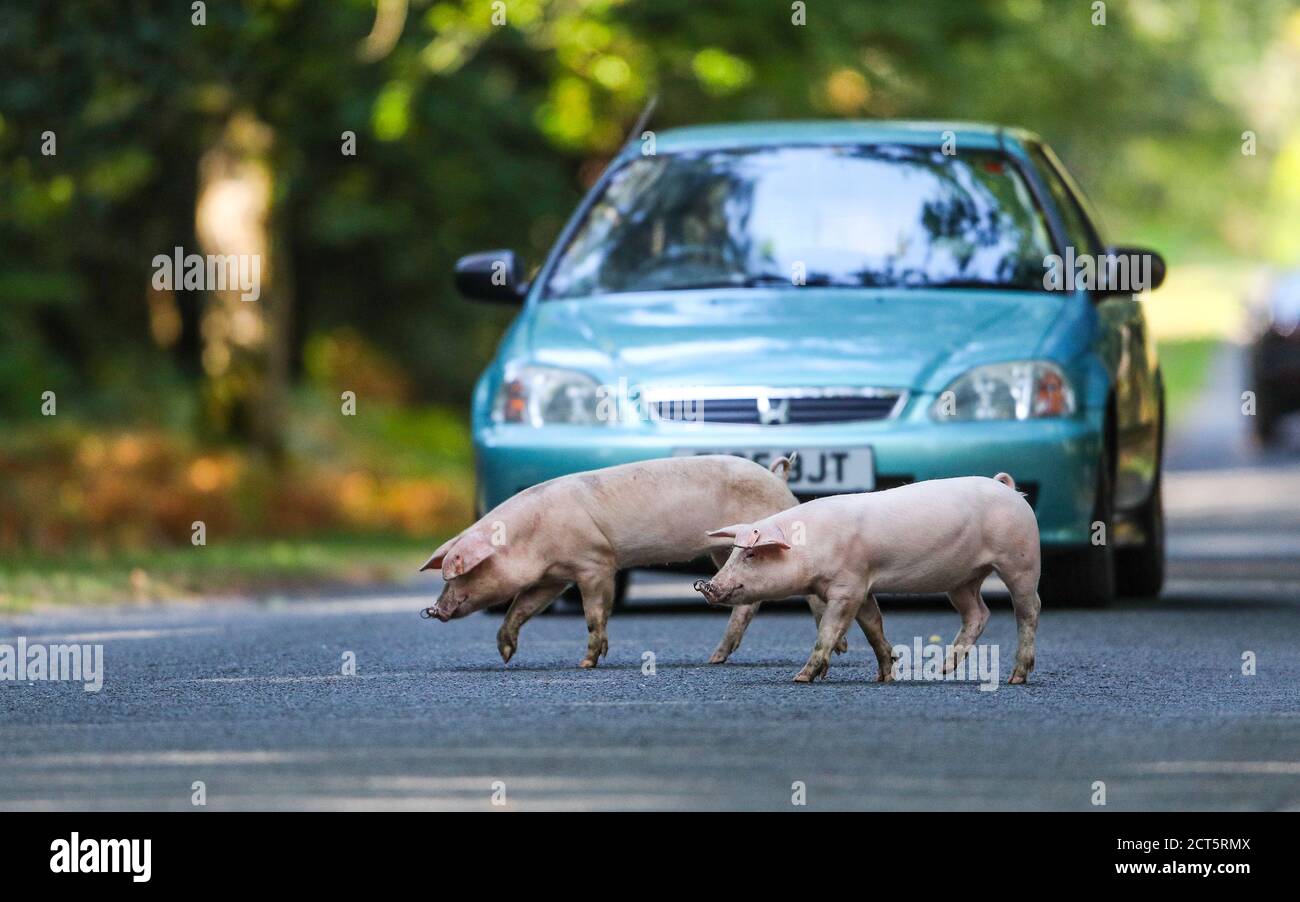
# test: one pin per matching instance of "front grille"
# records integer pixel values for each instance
(778, 409)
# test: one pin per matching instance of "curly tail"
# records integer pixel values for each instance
(781, 466)
(1006, 480)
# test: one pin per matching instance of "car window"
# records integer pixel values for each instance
(1079, 230)
(854, 216)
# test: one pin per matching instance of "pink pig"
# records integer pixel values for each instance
(584, 528)
(944, 535)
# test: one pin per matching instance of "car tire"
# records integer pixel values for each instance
(1140, 570)
(1084, 576)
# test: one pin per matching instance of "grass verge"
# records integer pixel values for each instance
(243, 567)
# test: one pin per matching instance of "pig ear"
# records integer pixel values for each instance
(472, 550)
(434, 562)
(729, 532)
(763, 537)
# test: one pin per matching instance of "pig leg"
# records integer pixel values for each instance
(874, 626)
(818, 608)
(1025, 600)
(597, 601)
(840, 611)
(974, 615)
(742, 614)
(737, 623)
(526, 604)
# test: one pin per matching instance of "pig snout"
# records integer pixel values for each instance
(443, 609)
(711, 592)
(434, 613)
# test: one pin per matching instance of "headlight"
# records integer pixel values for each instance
(1024, 390)
(542, 395)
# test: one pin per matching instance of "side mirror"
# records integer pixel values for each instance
(1129, 270)
(491, 276)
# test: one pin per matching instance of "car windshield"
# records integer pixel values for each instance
(858, 216)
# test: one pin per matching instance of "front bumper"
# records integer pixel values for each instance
(1057, 458)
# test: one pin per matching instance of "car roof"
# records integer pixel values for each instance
(830, 131)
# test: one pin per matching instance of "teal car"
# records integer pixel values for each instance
(885, 298)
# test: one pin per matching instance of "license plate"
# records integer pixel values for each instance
(815, 471)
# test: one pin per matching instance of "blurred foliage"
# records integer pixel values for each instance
(1184, 367)
(389, 471)
(1205, 300)
(471, 132)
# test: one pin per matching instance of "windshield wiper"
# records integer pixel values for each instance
(824, 280)
(812, 279)
(764, 280)
(973, 283)
(693, 286)
(737, 281)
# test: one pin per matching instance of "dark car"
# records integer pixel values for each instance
(1275, 356)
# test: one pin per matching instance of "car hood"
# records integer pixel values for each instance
(800, 337)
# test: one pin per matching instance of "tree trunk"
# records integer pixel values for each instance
(245, 325)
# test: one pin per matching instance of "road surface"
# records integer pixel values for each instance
(248, 698)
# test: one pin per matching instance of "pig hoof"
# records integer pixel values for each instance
(841, 646)
(587, 663)
(1017, 679)
(810, 673)
(595, 654)
(885, 677)
(507, 644)
(718, 657)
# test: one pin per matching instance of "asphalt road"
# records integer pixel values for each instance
(248, 697)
